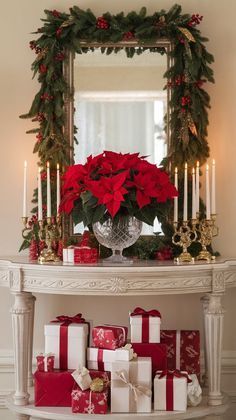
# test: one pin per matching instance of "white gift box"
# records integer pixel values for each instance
(100, 359)
(125, 353)
(76, 344)
(137, 325)
(82, 378)
(131, 384)
(176, 398)
(68, 255)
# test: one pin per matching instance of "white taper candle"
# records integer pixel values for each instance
(40, 201)
(193, 195)
(25, 190)
(58, 187)
(49, 211)
(176, 198)
(208, 210)
(213, 188)
(197, 188)
(185, 213)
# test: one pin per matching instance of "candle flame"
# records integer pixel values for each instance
(39, 169)
(25, 164)
(207, 167)
(193, 171)
(58, 166)
(186, 165)
(198, 164)
(48, 164)
(213, 162)
(176, 170)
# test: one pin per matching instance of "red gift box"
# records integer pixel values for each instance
(183, 350)
(100, 374)
(85, 255)
(109, 337)
(89, 402)
(45, 363)
(53, 389)
(157, 351)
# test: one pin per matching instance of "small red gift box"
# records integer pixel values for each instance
(109, 337)
(45, 362)
(157, 352)
(53, 389)
(89, 402)
(85, 255)
(183, 350)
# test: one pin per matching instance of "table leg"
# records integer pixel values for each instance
(214, 316)
(31, 303)
(20, 321)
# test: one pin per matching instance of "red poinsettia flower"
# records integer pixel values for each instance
(146, 188)
(110, 191)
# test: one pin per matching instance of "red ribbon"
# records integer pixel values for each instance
(145, 321)
(100, 360)
(170, 375)
(63, 346)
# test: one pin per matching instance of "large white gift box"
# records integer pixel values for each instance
(68, 343)
(131, 384)
(100, 359)
(145, 326)
(170, 391)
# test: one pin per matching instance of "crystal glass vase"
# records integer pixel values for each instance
(118, 234)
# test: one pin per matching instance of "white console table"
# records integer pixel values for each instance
(24, 278)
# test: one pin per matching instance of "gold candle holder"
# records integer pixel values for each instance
(49, 231)
(207, 230)
(184, 236)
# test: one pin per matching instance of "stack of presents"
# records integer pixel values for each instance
(157, 369)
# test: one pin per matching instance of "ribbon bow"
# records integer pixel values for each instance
(140, 311)
(67, 320)
(136, 389)
(170, 374)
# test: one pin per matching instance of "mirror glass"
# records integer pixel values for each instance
(120, 105)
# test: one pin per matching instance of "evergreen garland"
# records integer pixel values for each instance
(189, 71)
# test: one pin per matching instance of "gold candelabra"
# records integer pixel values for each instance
(184, 235)
(207, 230)
(49, 232)
(27, 227)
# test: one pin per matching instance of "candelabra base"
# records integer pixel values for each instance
(205, 255)
(48, 255)
(184, 257)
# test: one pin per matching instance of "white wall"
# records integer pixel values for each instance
(17, 90)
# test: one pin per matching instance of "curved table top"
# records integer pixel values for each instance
(140, 278)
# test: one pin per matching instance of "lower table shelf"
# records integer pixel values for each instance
(60, 413)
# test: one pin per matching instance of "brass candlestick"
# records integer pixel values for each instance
(27, 227)
(207, 230)
(183, 237)
(49, 231)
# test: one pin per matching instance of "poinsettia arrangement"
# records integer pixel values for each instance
(113, 185)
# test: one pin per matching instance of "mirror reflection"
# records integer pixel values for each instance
(120, 105)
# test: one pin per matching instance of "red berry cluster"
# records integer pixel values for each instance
(58, 32)
(33, 220)
(164, 254)
(177, 81)
(102, 23)
(33, 46)
(43, 69)
(128, 35)
(40, 117)
(185, 100)
(46, 97)
(39, 137)
(199, 83)
(55, 13)
(59, 56)
(195, 20)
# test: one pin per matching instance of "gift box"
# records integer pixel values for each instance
(109, 336)
(157, 352)
(125, 353)
(82, 378)
(100, 359)
(68, 254)
(53, 389)
(45, 362)
(67, 338)
(85, 255)
(145, 326)
(170, 391)
(89, 402)
(183, 350)
(131, 384)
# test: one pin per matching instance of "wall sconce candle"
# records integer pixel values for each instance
(58, 187)
(176, 198)
(40, 203)
(49, 212)
(185, 216)
(25, 190)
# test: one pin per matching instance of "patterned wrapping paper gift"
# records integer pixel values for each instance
(53, 389)
(170, 391)
(145, 326)
(109, 337)
(183, 350)
(131, 384)
(89, 402)
(45, 362)
(67, 338)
